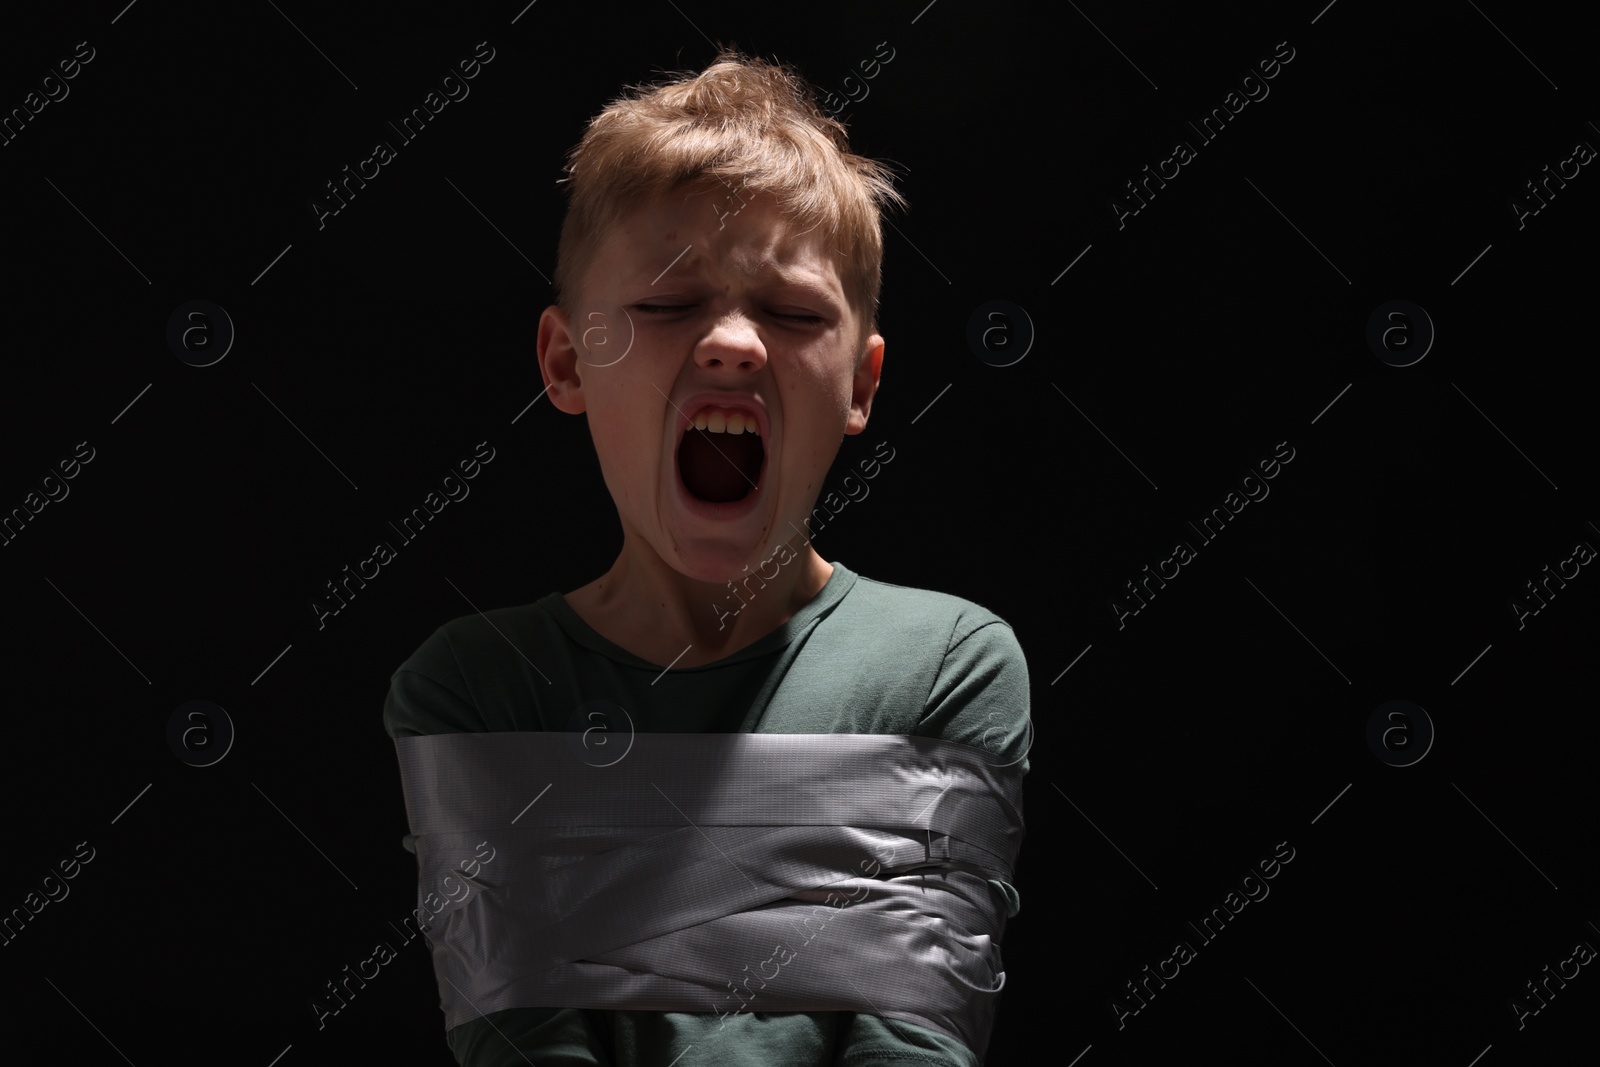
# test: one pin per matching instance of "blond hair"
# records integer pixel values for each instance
(743, 122)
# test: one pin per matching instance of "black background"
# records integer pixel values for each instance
(1175, 353)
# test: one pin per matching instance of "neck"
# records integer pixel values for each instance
(709, 619)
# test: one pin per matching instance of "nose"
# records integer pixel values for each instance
(732, 343)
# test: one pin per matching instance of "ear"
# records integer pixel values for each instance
(864, 385)
(558, 361)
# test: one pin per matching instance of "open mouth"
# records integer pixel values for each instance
(720, 462)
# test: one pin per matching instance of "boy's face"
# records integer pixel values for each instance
(719, 309)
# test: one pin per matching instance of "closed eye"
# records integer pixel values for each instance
(665, 309)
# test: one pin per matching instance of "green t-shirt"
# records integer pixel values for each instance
(861, 657)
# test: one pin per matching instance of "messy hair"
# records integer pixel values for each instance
(743, 122)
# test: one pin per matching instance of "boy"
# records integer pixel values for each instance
(718, 276)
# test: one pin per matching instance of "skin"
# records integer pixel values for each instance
(743, 273)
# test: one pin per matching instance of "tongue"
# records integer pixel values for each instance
(719, 468)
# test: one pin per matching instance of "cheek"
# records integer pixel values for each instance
(633, 450)
(822, 393)
(615, 443)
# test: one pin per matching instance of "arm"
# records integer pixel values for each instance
(428, 695)
(980, 697)
(868, 1041)
(549, 1037)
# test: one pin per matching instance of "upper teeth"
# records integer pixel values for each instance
(719, 421)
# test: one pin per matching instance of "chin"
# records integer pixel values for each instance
(717, 559)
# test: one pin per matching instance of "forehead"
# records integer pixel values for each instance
(714, 228)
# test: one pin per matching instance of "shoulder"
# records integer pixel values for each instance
(926, 617)
(451, 681)
(976, 673)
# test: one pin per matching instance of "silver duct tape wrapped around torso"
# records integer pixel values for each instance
(718, 873)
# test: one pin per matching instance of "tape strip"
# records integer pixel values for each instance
(719, 873)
